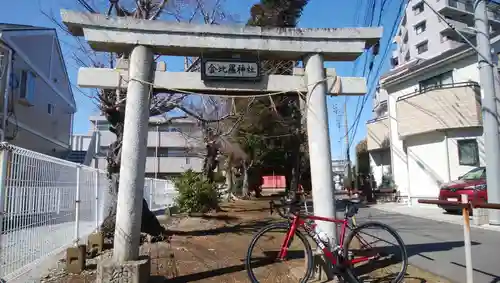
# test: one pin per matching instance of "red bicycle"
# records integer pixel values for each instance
(353, 255)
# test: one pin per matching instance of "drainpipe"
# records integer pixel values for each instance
(157, 160)
(408, 183)
(446, 147)
(97, 148)
(71, 132)
(6, 91)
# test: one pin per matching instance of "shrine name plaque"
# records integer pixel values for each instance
(230, 69)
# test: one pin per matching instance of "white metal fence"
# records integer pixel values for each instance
(48, 204)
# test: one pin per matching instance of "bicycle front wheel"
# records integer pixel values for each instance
(369, 261)
(262, 263)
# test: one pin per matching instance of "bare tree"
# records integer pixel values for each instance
(111, 102)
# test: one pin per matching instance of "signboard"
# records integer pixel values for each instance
(230, 69)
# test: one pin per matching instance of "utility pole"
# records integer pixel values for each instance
(489, 109)
(348, 156)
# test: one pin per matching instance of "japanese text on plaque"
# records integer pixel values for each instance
(231, 69)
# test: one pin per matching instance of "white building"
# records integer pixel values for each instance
(172, 148)
(423, 34)
(429, 128)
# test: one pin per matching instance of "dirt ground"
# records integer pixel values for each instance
(210, 248)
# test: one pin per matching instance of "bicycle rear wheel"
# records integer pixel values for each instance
(262, 263)
(380, 264)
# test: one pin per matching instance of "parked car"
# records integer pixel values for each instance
(472, 183)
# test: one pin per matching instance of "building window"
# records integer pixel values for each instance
(468, 152)
(167, 128)
(102, 125)
(168, 152)
(436, 81)
(422, 47)
(27, 88)
(418, 8)
(50, 108)
(420, 27)
(403, 22)
(394, 61)
(453, 3)
(407, 56)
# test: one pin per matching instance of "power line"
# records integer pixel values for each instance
(365, 99)
(381, 62)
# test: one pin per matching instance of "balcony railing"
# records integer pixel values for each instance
(463, 10)
(440, 107)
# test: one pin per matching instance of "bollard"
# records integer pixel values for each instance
(467, 240)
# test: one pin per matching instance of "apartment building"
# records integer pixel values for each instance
(172, 148)
(423, 34)
(427, 124)
(36, 99)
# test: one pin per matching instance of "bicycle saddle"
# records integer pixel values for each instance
(350, 200)
(351, 207)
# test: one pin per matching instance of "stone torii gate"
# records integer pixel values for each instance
(148, 38)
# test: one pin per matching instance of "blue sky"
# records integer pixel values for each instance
(318, 14)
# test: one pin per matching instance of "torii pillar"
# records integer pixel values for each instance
(146, 38)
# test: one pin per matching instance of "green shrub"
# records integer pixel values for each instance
(196, 194)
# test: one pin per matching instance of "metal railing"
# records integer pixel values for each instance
(466, 206)
(48, 204)
(422, 90)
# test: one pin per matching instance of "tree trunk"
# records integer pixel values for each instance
(229, 183)
(244, 186)
(210, 162)
(149, 223)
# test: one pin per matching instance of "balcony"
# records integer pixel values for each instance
(444, 107)
(161, 139)
(174, 139)
(462, 27)
(378, 134)
(464, 11)
(173, 164)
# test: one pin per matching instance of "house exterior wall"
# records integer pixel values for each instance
(422, 162)
(30, 125)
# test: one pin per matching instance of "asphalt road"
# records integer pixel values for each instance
(438, 246)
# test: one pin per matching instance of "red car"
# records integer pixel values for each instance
(472, 183)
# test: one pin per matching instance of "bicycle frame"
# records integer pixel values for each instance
(298, 221)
